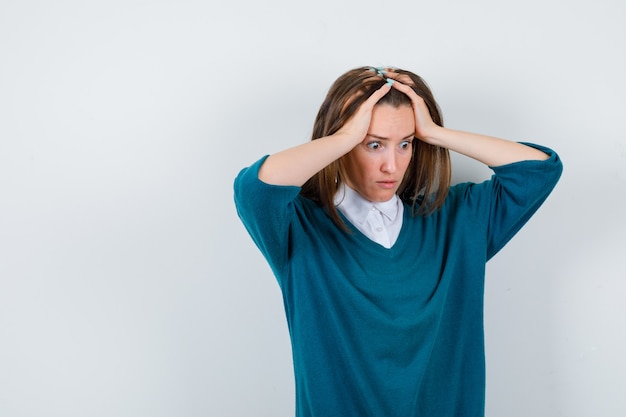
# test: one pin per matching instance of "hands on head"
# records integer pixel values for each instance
(357, 126)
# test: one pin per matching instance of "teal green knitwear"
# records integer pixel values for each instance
(393, 332)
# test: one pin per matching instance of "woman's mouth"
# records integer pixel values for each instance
(387, 185)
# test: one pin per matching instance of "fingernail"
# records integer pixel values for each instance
(389, 81)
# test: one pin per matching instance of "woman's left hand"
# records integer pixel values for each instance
(425, 127)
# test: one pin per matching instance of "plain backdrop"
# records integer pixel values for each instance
(128, 286)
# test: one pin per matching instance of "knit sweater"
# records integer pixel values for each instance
(392, 332)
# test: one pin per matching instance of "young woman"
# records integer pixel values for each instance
(380, 261)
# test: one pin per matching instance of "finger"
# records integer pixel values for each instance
(403, 78)
(406, 89)
(379, 93)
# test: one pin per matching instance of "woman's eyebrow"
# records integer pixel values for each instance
(409, 136)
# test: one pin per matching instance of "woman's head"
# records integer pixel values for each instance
(428, 170)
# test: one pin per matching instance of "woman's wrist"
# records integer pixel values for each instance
(435, 135)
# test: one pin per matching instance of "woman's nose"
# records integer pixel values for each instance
(389, 164)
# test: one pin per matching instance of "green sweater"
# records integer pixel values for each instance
(390, 332)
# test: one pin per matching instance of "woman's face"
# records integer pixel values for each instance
(375, 167)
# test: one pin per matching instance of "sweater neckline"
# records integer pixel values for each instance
(371, 245)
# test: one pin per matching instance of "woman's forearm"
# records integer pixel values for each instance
(486, 149)
(489, 150)
(294, 166)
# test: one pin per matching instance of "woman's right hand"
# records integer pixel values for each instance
(357, 126)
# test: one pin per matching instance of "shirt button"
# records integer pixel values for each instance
(379, 229)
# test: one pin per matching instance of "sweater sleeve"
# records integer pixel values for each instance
(514, 193)
(266, 211)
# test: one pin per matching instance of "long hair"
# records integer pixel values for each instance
(427, 179)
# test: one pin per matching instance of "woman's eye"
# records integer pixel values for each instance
(405, 145)
(374, 145)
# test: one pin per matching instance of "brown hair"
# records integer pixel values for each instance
(427, 179)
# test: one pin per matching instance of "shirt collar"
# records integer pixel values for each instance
(350, 201)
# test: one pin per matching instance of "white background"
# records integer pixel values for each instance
(128, 286)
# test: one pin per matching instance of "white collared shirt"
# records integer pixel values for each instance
(381, 222)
